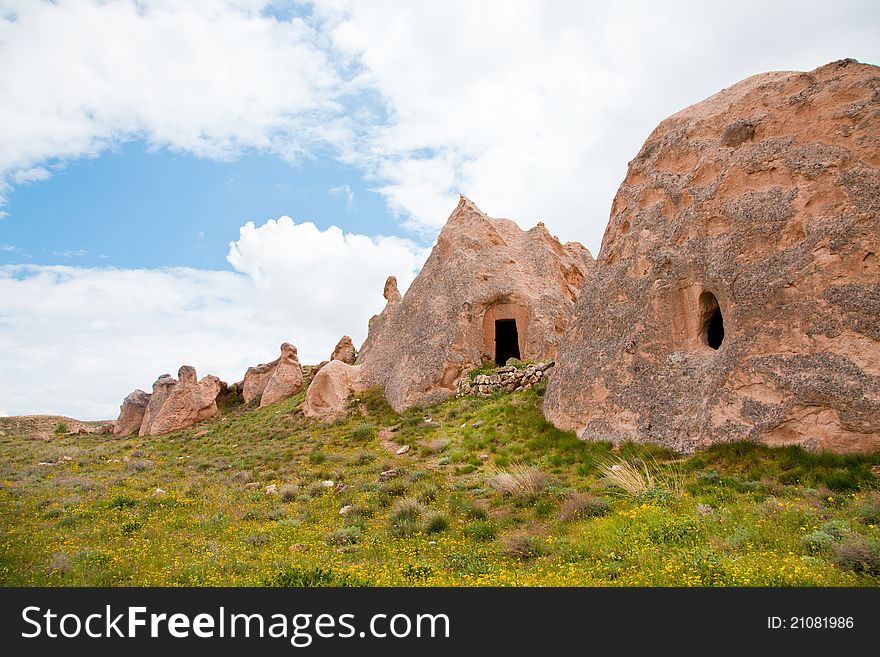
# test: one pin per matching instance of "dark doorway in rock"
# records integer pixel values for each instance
(712, 321)
(506, 340)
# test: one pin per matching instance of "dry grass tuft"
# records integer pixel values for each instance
(518, 480)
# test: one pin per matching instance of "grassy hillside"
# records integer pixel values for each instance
(488, 494)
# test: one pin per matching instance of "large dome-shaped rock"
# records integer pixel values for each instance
(736, 292)
(328, 394)
(286, 379)
(177, 404)
(131, 413)
(489, 291)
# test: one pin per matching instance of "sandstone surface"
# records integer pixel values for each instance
(286, 379)
(736, 294)
(329, 392)
(131, 413)
(177, 404)
(488, 291)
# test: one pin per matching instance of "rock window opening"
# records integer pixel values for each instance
(712, 321)
(506, 340)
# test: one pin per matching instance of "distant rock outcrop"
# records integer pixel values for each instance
(328, 393)
(488, 291)
(737, 291)
(286, 379)
(131, 413)
(344, 351)
(177, 404)
(282, 378)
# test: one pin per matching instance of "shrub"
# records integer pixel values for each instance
(62, 427)
(363, 432)
(317, 456)
(641, 480)
(122, 502)
(289, 492)
(857, 554)
(519, 480)
(522, 546)
(583, 505)
(818, 541)
(869, 510)
(835, 528)
(313, 577)
(405, 517)
(345, 536)
(480, 530)
(434, 522)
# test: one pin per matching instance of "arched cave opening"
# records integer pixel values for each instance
(506, 340)
(711, 321)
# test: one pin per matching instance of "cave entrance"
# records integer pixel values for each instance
(506, 340)
(711, 321)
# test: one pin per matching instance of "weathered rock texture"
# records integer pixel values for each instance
(177, 404)
(509, 379)
(761, 203)
(131, 413)
(481, 270)
(328, 393)
(344, 351)
(272, 382)
(286, 379)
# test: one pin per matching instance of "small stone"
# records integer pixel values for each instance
(199, 434)
(388, 474)
(340, 487)
(484, 457)
(158, 491)
(344, 510)
(253, 484)
(271, 488)
(403, 450)
(478, 424)
(328, 483)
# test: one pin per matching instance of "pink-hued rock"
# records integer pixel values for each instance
(286, 379)
(737, 291)
(344, 351)
(255, 381)
(177, 404)
(131, 413)
(286, 383)
(481, 270)
(329, 392)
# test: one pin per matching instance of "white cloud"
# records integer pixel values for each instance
(345, 191)
(530, 108)
(75, 341)
(533, 109)
(210, 78)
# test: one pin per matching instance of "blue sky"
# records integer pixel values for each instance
(198, 182)
(136, 207)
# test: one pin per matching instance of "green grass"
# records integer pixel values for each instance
(177, 510)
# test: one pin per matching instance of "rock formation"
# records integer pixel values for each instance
(282, 378)
(328, 393)
(177, 404)
(344, 351)
(131, 413)
(736, 293)
(488, 291)
(286, 379)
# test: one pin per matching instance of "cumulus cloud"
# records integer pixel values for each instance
(533, 109)
(75, 341)
(209, 78)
